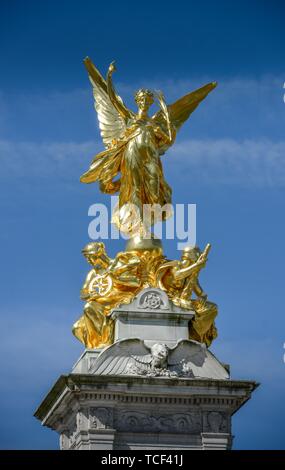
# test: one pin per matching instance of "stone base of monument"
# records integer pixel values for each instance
(152, 389)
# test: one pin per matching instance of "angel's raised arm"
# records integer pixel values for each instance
(115, 99)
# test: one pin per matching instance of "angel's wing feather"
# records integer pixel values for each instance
(180, 111)
(111, 123)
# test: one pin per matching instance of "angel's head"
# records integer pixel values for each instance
(144, 99)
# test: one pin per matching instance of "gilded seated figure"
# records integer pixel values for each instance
(111, 282)
(180, 280)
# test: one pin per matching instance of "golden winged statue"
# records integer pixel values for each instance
(134, 143)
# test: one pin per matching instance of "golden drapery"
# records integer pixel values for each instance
(141, 183)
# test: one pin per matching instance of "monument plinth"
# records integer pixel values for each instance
(147, 391)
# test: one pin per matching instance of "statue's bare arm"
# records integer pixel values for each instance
(113, 96)
(182, 273)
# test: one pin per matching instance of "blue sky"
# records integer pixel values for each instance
(229, 159)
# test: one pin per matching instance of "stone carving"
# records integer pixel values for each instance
(134, 421)
(158, 364)
(132, 357)
(159, 356)
(101, 418)
(152, 299)
(134, 369)
(217, 422)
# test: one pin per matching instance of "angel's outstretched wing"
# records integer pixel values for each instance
(180, 111)
(111, 123)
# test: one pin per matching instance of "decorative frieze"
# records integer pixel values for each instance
(101, 417)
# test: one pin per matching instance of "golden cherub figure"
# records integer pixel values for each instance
(134, 144)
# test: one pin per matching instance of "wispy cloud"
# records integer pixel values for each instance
(227, 161)
(235, 137)
(237, 108)
(30, 159)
